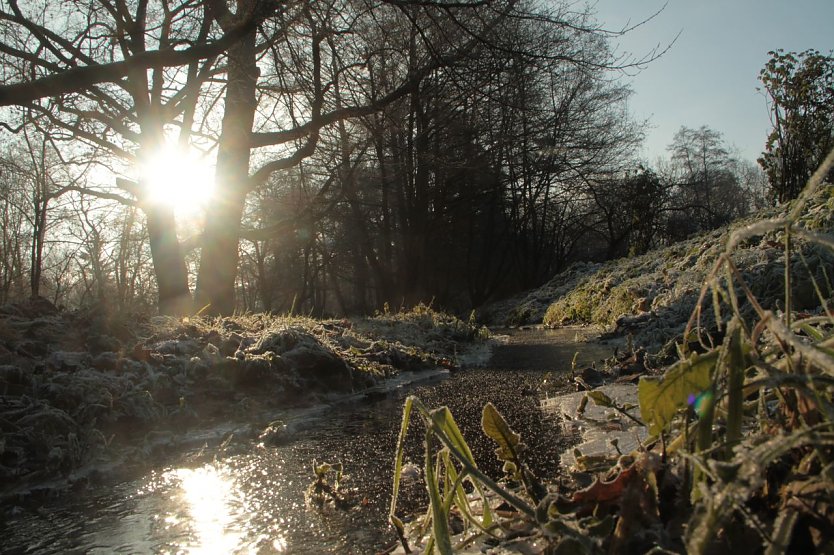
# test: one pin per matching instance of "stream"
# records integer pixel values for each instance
(248, 498)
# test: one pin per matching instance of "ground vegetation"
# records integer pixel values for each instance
(87, 393)
(737, 428)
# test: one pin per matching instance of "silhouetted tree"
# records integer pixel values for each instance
(118, 77)
(707, 193)
(627, 211)
(447, 140)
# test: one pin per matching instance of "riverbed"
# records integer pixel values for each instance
(244, 496)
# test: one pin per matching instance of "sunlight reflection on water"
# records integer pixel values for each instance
(210, 497)
(209, 513)
(251, 500)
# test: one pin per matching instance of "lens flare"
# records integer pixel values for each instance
(700, 402)
(179, 178)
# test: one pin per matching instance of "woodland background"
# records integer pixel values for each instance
(367, 155)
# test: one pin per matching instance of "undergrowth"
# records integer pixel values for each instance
(740, 454)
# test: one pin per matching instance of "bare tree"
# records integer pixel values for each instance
(116, 76)
(121, 76)
(708, 193)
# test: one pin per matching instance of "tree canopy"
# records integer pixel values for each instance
(800, 93)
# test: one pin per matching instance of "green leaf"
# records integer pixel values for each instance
(441, 423)
(444, 422)
(398, 457)
(398, 524)
(601, 528)
(509, 442)
(735, 363)
(321, 469)
(600, 399)
(444, 426)
(439, 517)
(559, 507)
(461, 500)
(543, 508)
(660, 399)
(812, 332)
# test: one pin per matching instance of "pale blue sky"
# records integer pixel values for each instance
(710, 75)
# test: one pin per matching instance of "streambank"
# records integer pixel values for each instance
(249, 495)
(651, 297)
(87, 392)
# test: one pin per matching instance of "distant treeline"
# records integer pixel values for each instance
(366, 154)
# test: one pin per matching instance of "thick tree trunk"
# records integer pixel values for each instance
(173, 293)
(219, 258)
(168, 261)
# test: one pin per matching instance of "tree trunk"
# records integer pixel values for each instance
(41, 205)
(168, 261)
(219, 258)
(215, 292)
(174, 295)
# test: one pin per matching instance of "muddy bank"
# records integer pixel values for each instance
(83, 392)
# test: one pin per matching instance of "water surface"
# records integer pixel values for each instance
(249, 498)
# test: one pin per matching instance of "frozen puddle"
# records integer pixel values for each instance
(598, 426)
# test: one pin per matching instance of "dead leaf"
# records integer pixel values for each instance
(605, 492)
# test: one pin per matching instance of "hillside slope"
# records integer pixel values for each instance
(652, 296)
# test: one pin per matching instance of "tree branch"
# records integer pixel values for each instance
(75, 79)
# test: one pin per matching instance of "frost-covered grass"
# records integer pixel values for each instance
(75, 387)
(651, 296)
(740, 451)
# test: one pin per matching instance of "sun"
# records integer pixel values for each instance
(179, 178)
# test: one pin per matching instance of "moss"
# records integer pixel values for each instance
(519, 316)
(576, 307)
(620, 301)
(596, 301)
